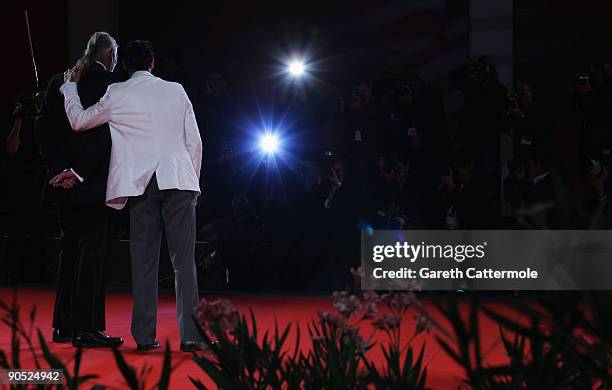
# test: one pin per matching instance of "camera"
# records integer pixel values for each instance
(24, 107)
(583, 80)
(28, 105)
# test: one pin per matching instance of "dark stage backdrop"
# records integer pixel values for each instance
(555, 39)
(348, 39)
(48, 27)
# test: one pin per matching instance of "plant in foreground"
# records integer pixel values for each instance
(336, 356)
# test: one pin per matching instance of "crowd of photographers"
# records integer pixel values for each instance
(383, 155)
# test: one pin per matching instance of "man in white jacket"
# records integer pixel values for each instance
(154, 167)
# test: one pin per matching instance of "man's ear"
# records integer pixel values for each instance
(152, 64)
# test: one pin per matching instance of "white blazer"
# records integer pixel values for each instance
(153, 131)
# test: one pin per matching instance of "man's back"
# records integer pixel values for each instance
(153, 131)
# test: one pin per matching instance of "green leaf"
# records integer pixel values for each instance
(218, 376)
(54, 361)
(199, 385)
(164, 380)
(127, 372)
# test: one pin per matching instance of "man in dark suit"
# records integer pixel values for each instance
(80, 162)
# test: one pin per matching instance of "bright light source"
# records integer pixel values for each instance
(269, 143)
(296, 68)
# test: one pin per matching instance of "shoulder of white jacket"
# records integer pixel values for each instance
(118, 85)
(177, 87)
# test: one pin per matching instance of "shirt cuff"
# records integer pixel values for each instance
(69, 88)
(75, 174)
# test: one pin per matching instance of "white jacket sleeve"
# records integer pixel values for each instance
(80, 119)
(193, 142)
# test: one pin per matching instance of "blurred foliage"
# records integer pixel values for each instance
(553, 340)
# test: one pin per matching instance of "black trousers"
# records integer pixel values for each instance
(79, 302)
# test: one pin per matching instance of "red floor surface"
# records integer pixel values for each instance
(442, 372)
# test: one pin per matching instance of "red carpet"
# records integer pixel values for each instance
(442, 373)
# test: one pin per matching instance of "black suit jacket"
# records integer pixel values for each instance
(87, 153)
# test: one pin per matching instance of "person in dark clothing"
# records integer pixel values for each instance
(399, 203)
(461, 199)
(80, 162)
(481, 121)
(26, 174)
(526, 117)
(418, 121)
(358, 135)
(593, 99)
(485, 104)
(339, 197)
(516, 185)
(545, 209)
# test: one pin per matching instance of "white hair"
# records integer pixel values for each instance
(98, 42)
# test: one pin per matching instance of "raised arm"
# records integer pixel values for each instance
(80, 119)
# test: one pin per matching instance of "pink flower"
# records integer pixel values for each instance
(370, 311)
(220, 312)
(333, 320)
(347, 305)
(387, 322)
(370, 296)
(354, 336)
(399, 300)
(329, 317)
(423, 323)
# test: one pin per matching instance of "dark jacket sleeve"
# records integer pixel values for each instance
(50, 127)
(91, 148)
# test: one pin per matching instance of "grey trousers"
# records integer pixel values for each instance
(175, 208)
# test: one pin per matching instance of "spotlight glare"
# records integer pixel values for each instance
(269, 143)
(296, 68)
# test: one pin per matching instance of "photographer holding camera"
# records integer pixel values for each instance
(526, 119)
(399, 203)
(25, 194)
(461, 199)
(337, 202)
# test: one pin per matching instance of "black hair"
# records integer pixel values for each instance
(138, 55)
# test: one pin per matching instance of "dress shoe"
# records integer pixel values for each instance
(95, 338)
(147, 347)
(192, 346)
(61, 336)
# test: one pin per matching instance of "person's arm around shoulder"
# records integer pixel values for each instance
(94, 116)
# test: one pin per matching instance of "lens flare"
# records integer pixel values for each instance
(296, 68)
(269, 143)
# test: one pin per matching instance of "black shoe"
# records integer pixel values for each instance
(95, 338)
(61, 336)
(192, 346)
(147, 347)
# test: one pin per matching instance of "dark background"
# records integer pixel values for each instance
(343, 41)
(249, 40)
